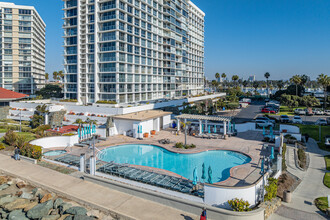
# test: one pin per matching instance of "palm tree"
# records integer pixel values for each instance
(255, 86)
(267, 75)
(235, 78)
(61, 75)
(223, 76)
(217, 76)
(297, 81)
(55, 75)
(280, 84)
(324, 81)
(46, 77)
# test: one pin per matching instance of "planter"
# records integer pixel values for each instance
(153, 132)
(287, 196)
(146, 135)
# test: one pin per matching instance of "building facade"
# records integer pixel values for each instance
(132, 50)
(23, 48)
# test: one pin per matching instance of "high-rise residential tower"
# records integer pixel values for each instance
(23, 48)
(132, 50)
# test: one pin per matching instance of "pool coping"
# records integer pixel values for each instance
(231, 172)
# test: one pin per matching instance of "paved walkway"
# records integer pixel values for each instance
(302, 206)
(127, 205)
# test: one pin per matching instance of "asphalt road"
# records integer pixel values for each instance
(253, 110)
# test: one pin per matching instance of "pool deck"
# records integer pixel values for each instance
(249, 143)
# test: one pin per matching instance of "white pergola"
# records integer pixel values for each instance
(204, 118)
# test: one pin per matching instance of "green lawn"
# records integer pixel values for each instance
(326, 179)
(313, 132)
(322, 203)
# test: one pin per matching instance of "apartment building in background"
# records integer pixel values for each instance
(132, 50)
(22, 48)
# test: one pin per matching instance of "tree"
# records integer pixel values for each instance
(217, 76)
(290, 100)
(255, 86)
(280, 84)
(235, 78)
(223, 76)
(50, 91)
(37, 120)
(61, 75)
(309, 101)
(267, 75)
(324, 81)
(245, 83)
(297, 81)
(47, 76)
(55, 75)
(304, 79)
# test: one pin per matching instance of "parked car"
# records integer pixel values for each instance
(327, 112)
(328, 121)
(321, 121)
(318, 112)
(266, 119)
(263, 123)
(284, 119)
(268, 110)
(299, 111)
(327, 141)
(297, 120)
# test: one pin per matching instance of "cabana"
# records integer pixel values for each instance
(204, 120)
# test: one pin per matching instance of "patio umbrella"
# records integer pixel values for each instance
(271, 132)
(272, 154)
(94, 129)
(262, 166)
(215, 129)
(140, 129)
(209, 129)
(202, 127)
(229, 126)
(209, 180)
(78, 133)
(195, 178)
(203, 172)
(263, 131)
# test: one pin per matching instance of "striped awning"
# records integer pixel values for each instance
(204, 117)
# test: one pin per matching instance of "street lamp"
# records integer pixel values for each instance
(20, 120)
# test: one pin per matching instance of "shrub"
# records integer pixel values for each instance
(283, 157)
(10, 138)
(32, 151)
(179, 145)
(2, 147)
(106, 102)
(239, 205)
(21, 141)
(69, 100)
(302, 158)
(271, 189)
(68, 134)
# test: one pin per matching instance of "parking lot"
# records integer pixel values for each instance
(254, 110)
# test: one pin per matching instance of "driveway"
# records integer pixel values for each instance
(249, 113)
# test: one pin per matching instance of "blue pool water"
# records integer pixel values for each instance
(54, 153)
(183, 164)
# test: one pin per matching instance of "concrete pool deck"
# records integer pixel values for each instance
(249, 143)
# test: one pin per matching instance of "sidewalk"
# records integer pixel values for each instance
(302, 206)
(118, 202)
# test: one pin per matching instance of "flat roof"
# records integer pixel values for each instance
(205, 117)
(143, 115)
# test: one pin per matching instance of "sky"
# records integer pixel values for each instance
(242, 37)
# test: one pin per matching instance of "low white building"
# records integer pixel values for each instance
(138, 123)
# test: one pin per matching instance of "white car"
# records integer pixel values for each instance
(263, 123)
(327, 112)
(321, 121)
(266, 119)
(318, 112)
(297, 120)
(300, 111)
(327, 141)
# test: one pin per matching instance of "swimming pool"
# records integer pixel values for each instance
(221, 161)
(54, 153)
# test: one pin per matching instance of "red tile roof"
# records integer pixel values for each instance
(65, 129)
(10, 95)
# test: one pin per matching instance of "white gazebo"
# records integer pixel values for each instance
(205, 118)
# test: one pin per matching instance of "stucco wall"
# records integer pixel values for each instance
(245, 127)
(58, 141)
(218, 196)
(166, 121)
(290, 128)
